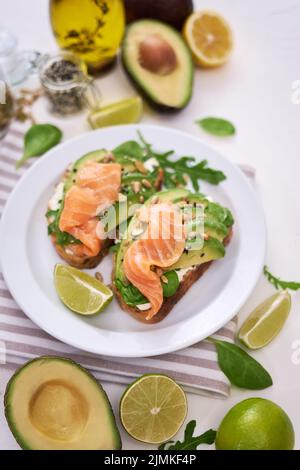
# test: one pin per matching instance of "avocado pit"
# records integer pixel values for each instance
(58, 411)
(157, 56)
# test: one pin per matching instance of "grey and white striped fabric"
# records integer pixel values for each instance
(196, 367)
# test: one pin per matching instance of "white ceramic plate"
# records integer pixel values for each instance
(28, 257)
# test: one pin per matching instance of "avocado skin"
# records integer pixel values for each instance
(7, 407)
(173, 12)
(137, 84)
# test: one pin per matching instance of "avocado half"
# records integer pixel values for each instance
(52, 403)
(159, 63)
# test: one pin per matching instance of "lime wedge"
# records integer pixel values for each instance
(123, 112)
(81, 292)
(266, 321)
(153, 408)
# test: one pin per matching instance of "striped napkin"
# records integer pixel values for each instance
(196, 367)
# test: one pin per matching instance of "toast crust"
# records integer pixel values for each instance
(187, 281)
(91, 262)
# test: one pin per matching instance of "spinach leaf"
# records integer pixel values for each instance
(240, 368)
(38, 140)
(217, 126)
(131, 295)
(170, 287)
(129, 149)
(61, 238)
(190, 442)
(279, 282)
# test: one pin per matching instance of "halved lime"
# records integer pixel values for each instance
(266, 321)
(79, 291)
(122, 112)
(153, 408)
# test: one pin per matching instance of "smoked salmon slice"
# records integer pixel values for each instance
(161, 245)
(96, 188)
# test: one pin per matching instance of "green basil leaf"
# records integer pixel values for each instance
(217, 126)
(38, 140)
(240, 368)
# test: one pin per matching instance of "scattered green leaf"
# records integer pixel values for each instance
(190, 442)
(217, 126)
(38, 140)
(240, 368)
(279, 283)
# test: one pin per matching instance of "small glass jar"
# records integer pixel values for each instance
(67, 84)
(6, 108)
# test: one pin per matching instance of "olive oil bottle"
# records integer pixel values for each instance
(92, 29)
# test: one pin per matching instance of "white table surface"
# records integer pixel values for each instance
(254, 91)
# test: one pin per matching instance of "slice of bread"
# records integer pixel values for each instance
(188, 280)
(92, 262)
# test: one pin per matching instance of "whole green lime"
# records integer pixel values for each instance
(256, 424)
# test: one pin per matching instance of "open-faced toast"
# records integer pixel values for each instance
(96, 183)
(190, 265)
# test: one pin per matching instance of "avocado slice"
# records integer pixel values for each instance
(212, 249)
(52, 403)
(159, 63)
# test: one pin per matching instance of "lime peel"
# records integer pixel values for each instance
(80, 292)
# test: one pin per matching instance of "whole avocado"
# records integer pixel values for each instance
(173, 12)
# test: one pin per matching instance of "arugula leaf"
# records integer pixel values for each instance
(176, 171)
(131, 295)
(217, 126)
(61, 238)
(190, 442)
(279, 283)
(240, 368)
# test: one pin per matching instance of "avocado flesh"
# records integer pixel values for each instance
(164, 196)
(171, 91)
(212, 250)
(52, 403)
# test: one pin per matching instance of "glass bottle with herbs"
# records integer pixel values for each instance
(92, 29)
